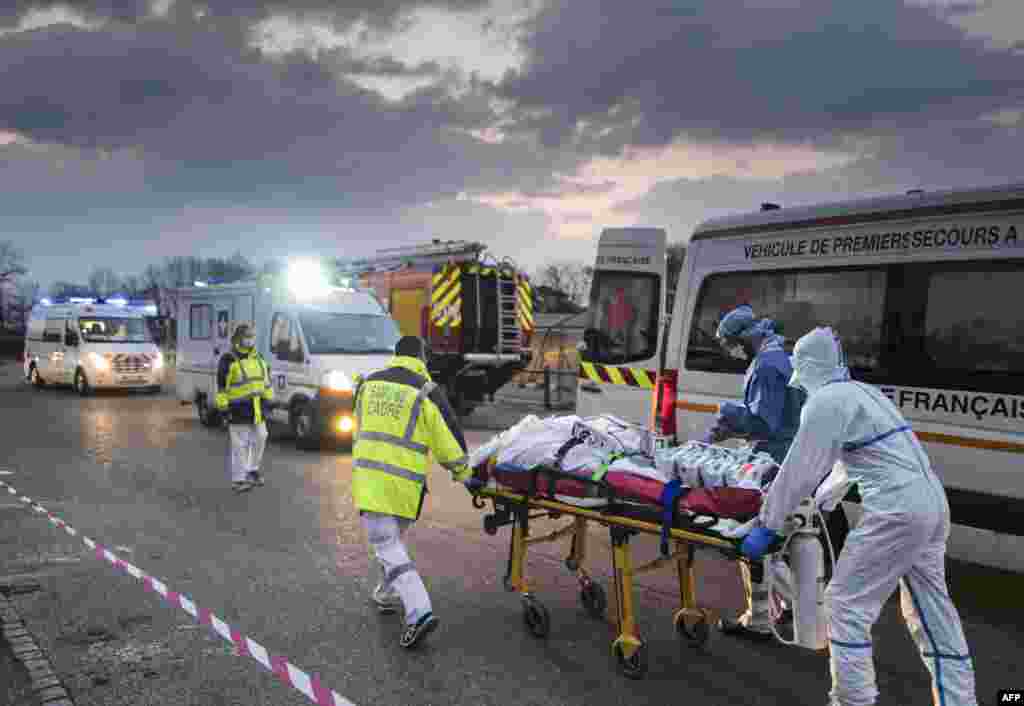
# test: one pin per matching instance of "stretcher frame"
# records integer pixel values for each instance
(692, 623)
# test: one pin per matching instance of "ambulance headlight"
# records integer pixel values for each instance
(337, 381)
(99, 362)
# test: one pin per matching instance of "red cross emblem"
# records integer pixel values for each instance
(620, 313)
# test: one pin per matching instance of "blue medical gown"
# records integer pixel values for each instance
(770, 413)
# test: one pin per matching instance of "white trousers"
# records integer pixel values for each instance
(248, 441)
(398, 573)
(886, 550)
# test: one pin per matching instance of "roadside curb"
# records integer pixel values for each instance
(46, 685)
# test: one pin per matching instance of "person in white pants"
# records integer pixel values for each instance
(248, 442)
(243, 392)
(400, 585)
(900, 540)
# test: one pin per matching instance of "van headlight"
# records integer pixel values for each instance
(337, 381)
(99, 362)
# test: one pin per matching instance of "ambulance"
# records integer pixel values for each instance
(92, 344)
(924, 288)
(316, 337)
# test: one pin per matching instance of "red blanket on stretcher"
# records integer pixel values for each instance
(733, 503)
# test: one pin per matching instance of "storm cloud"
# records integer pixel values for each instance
(731, 70)
(178, 125)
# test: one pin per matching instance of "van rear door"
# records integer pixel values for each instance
(618, 360)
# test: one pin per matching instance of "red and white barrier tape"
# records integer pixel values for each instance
(311, 686)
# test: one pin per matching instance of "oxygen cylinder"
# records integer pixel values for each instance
(807, 560)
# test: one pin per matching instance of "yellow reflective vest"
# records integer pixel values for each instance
(244, 388)
(401, 418)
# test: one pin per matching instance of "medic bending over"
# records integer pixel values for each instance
(901, 538)
(768, 416)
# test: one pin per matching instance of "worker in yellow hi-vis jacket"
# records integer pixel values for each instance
(243, 386)
(401, 417)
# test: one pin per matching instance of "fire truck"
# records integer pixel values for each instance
(475, 312)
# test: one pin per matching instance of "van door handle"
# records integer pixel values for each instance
(591, 388)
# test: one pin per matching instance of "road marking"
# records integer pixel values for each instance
(310, 686)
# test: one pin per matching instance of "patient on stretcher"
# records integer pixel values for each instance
(576, 459)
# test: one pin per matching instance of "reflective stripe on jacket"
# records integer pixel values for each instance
(401, 418)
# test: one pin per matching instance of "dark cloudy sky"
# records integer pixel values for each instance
(131, 130)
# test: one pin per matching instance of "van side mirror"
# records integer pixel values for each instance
(70, 338)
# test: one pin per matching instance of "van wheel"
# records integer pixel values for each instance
(207, 417)
(36, 378)
(82, 384)
(306, 437)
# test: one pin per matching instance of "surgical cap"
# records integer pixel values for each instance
(818, 359)
(740, 323)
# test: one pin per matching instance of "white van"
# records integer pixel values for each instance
(925, 290)
(314, 346)
(92, 345)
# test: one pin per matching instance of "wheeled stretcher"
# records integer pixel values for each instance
(541, 493)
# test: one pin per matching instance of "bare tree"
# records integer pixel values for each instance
(132, 286)
(676, 258)
(68, 289)
(25, 295)
(12, 261)
(570, 278)
(104, 281)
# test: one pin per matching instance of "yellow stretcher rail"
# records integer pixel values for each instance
(691, 622)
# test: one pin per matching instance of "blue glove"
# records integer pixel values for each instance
(759, 542)
(473, 483)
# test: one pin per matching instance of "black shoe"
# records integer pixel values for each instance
(737, 629)
(786, 618)
(256, 479)
(242, 486)
(415, 633)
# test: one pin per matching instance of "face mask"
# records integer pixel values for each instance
(247, 342)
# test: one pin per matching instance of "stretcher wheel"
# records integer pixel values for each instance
(697, 633)
(491, 524)
(593, 599)
(536, 617)
(634, 667)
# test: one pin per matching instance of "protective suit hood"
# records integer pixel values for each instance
(818, 359)
(740, 323)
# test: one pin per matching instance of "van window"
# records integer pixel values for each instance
(334, 333)
(973, 330)
(115, 329)
(200, 326)
(54, 330)
(285, 342)
(851, 301)
(622, 324)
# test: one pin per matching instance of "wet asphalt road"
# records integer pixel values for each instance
(287, 565)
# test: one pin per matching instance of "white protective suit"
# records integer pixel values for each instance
(900, 540)
(399, 580)
(245, 454)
